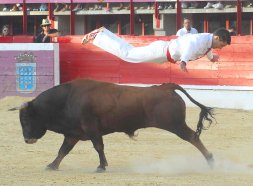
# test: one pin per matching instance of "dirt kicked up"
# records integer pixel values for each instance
(155, 157)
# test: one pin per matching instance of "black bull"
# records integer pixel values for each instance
(87, 110)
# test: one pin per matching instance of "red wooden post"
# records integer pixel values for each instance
(179, 15)
(131, 17)
(50, 14)
(24, 18)
(11, 25)
(157, 16)
(119, 25)
(251, 25)
(35, 26)
(205, 23)
(50, 11)
(98, 22)
(72, 18)
(239, 17)
(142, 25)
(85, 24)
(227, 22)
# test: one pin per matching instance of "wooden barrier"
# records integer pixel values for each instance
(235, 67)
(225, 84)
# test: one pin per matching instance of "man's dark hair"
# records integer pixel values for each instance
(187, 18)
(223, 34)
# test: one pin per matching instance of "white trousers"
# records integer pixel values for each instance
(154, 52)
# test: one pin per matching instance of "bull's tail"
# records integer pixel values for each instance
(206, 113)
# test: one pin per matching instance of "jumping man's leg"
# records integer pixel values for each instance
(154, 52)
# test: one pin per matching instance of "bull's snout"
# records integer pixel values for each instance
(30, 141)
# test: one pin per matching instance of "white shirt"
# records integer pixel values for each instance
(191, 47)
(183, 31)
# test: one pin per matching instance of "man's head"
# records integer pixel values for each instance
(45, 25)
(5, 30)
(221, 38)
(187, 24)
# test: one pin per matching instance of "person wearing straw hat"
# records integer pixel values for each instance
(47, 32)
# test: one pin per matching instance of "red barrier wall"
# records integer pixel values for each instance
(235, 67)
(16, 39)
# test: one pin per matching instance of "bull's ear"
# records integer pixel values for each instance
(19, 107)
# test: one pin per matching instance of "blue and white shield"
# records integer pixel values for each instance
(25, 77)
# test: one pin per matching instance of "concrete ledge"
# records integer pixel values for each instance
(37, 13)
(8, 13)
(138, 11)
(208, 11)
(232, 97)
(221, 98)
(30, 46)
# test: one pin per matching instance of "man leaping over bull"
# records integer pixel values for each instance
(182, 49)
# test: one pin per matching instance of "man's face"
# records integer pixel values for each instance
(217, 44)
(5, 31)
(187, 24)
(46, 28)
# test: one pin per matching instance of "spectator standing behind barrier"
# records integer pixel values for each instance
(47, 32)
(5, 31)
(187, 29)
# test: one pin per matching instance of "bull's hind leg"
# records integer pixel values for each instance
(99, 146)
(188, 134)
(66, 147)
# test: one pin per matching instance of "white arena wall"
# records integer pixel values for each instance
(231, 97)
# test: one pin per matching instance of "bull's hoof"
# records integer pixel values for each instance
(210, 161)
(52, 167)
(100, 169)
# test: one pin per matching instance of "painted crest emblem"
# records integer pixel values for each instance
(26, 73)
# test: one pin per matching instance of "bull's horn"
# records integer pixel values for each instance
(19, 107)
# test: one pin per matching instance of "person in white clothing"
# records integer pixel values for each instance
(187, 29)
(182, 49)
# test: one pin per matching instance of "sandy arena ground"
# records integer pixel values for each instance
(156, 157)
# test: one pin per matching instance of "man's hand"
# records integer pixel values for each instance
(215, 58)
(44, 38)
(183, 66)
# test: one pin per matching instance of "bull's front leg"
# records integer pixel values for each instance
(66, 147)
